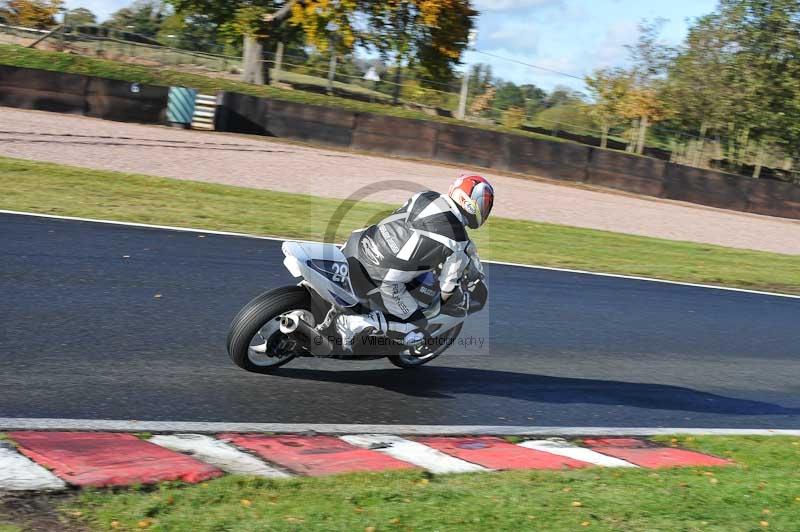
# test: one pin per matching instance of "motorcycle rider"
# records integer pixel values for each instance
(427, 232)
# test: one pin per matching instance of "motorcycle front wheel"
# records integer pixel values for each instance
(255, 342)
(411, 360)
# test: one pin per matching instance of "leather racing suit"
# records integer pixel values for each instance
(426, 233)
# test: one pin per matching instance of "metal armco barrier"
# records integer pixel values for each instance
(205, 110)
(180, 106)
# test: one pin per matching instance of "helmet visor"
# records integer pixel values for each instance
(483, 196)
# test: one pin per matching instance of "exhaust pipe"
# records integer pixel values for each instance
(295, 326)
(289, 323)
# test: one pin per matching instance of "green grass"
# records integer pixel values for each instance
(63, 190)
(295, 78)
(761, 491)
(216, 65)
(14, 55)
(4, 527)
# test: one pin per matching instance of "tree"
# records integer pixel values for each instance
(480, 78)
(446, 25)
(483, 103)
(508, 95)
(765, 44)
(514, 117)
(391, 34)
(650, 57)
(191, 31)
(38, 14)
(534, 97)
(642, 104)
(700, 89)
(643, 101)
(434, 31)
(264, 23)
(561, 95)
(427, 34)
(739, 73)
(143, 17)
(608, 88)
(81, 17)
(571, 116)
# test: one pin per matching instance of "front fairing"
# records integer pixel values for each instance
(323, 268)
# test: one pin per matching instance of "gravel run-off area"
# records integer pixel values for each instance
(260, 162)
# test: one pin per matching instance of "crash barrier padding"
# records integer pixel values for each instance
(583, 139)
(773, 198)
(469, 146)
(641, 175)
(328, 125)
(205, 111)
(180, 105)
(556, 160)
(707, 187)
(44, 90)
(395, 136)
(453, 143)
(241, 113)
(126, 102)
(589, 140)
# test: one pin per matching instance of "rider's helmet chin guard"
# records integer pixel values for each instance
(475, 197)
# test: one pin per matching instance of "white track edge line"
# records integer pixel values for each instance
(500, 263)
(10, 424)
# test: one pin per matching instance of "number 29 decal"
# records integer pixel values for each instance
(337, 272)
(340, 272)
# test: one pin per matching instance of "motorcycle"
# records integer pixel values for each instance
(298, 321)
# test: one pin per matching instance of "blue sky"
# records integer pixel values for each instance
(572, 36)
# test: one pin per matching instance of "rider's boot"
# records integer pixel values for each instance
(411, 334)
(375, 323)
(351, 325)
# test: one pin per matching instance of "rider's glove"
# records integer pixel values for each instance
(458, 303)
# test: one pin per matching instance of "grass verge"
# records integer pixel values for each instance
(19, 56)
(6, 527)
(64, 190)
(761, 492)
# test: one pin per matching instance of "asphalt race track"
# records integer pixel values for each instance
(112, 322)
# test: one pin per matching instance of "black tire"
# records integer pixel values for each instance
(255, 315)
(405, 363)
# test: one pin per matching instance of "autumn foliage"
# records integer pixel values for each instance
(38, 14)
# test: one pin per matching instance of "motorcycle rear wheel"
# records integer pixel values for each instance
(407, 360)
(260, 319)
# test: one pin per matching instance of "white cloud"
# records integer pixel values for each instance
(101, 8)
(611, 51)
(516, 34)
(522, 29)
(569, 37)
(520, 73)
